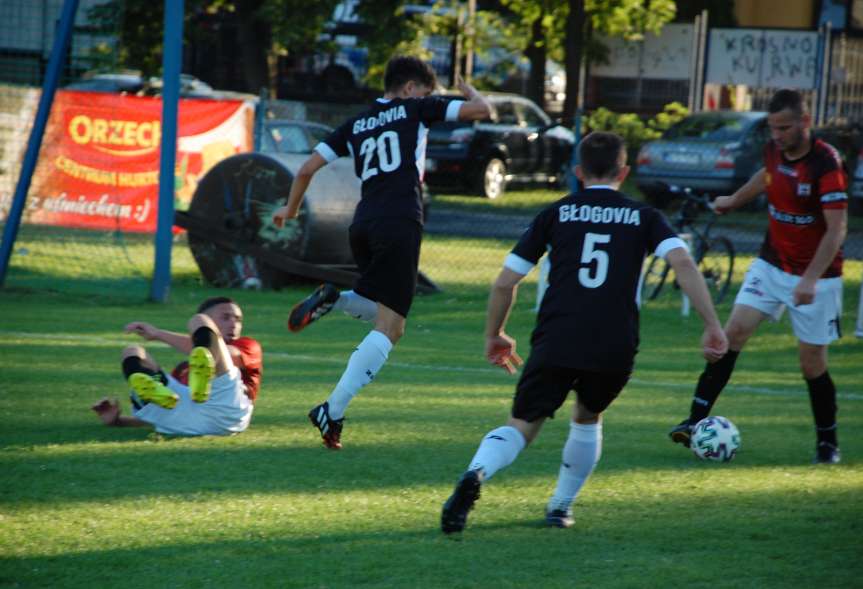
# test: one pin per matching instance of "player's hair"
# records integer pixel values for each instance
(405, 68)
(599, 154)
(787, 98)
(213, 301)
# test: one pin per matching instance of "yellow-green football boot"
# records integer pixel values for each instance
(202, 368)
(151, 389)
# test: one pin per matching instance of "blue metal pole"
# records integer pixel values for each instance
(260, 115)
(574, 184)
(171, 57)
(34, 143)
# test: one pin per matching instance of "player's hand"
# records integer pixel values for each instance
(722, 205)
(142, 329)
(714, 343)
(804, 292)
(500, 351)
(108, 410)
(466, 89)
(280, 215)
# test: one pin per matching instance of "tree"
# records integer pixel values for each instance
(543, 24)
(540, 21)
(265, 30)
(404, 27)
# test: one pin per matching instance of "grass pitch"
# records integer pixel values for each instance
(82, 505)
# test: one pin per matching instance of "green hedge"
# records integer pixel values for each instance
(635, 130)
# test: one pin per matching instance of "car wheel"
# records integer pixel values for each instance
(492, 180)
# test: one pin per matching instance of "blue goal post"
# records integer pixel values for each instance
(171, 65)
(34, 143)
(172, 53)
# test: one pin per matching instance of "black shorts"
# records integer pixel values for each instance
(387, 252)
(542, 389)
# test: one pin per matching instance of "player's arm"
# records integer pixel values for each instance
(714, 341)
(179, 341)
(298, 189)
(499, 347)
(476, 107)
(828, 247)
(745, 194)
(109, 412)
(236, 356)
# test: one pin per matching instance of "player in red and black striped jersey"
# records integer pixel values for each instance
(799, 191)
(387, 143)
(799, 266)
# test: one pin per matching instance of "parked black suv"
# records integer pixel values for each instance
(519, 144)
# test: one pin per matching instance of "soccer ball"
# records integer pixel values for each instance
(715, 438)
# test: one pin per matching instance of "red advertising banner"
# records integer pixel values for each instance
(99, 163)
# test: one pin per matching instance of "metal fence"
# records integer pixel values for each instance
(467, 237)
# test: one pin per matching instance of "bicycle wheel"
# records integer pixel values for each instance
(717, 266)
(653, 278)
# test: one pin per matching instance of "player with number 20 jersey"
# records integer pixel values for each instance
(387, 143)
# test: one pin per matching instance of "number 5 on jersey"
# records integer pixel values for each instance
(386, 146)
(589, 254)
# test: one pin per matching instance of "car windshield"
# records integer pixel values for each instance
(318, 133)
(710, 128)
(296, 138)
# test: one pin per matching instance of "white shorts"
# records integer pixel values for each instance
(769, 289)
(227, 411)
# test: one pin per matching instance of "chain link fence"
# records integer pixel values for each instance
(467, 237)
(48, 255)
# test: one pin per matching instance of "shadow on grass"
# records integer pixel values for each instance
(291, 460)
(502, 547)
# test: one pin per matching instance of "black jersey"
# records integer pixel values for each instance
(596, 240)
(388, 144)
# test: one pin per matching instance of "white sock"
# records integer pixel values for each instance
(498, 449)
(580, 455)
(363, 365)
(356, 305)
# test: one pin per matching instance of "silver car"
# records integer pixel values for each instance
(711, 153)
(235, 201)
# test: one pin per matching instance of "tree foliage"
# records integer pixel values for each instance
(398, 31)
(551, 15)
(266, 28)
(630, 19)
(631, 127)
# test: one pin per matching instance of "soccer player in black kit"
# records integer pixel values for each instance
(586, 334)
(387, 143)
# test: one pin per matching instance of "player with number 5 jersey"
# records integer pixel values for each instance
(387, 143)
(586, 334)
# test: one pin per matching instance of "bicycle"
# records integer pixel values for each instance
(714, 254)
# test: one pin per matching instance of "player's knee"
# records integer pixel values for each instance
(396, 333)
(585, 416)
(201, 320)
(812, 370)
(133, 351)
(813, 363)
(737, 335)
(394, 330)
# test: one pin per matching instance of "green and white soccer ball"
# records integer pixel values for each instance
(715, 438)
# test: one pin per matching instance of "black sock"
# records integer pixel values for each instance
(710, 384)
(822, 396)
(133, 364)
(203, 337)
